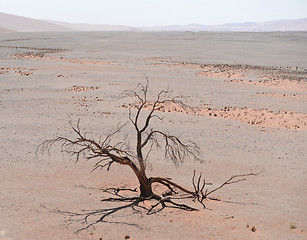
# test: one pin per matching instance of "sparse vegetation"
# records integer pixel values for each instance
(293, 226)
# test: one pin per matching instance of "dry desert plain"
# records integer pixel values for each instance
(247, 94)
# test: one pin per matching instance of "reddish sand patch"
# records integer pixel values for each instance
(256, 117)
(279, 78)
(85, 101)
(41, 56)
(208, 70)
(76, 88)
(84, 61)
(20, 71)
(176, 64)
(220, 73)
(299, 97)
(286, 84)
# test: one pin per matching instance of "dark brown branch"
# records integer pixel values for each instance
(174, 147)
(153, 109)
(167, 181)
(198, 192)
(231, 180)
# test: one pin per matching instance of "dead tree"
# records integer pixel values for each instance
(147, 138)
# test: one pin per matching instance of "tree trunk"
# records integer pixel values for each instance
(145, 187)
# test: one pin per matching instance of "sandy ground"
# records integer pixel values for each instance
(248, 112)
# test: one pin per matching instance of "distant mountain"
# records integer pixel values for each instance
(271, 26)
(13, 23)
(283, 25)
(22, 24)
(279, 25)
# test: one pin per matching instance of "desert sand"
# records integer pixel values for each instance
(247, 98)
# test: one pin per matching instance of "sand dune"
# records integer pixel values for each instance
(5, 30)
(23, 24)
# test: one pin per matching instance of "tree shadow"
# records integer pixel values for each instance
(138, 205)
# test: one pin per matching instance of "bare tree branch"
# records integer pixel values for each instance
(231, 180)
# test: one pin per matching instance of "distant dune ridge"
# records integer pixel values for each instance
(22, 24)
(93, 27)
(3, 30)
(13, 23)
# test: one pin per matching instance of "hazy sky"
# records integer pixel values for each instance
(157, 12)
